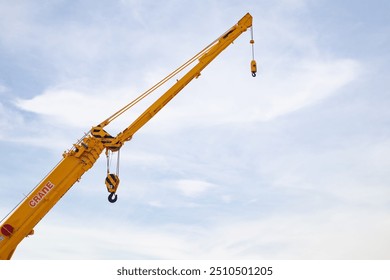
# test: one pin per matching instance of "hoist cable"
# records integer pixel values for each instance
(252, 43)
(108, 160)
(117, 163)
(156, 86)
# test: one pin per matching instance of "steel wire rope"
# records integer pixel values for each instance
(156, 86)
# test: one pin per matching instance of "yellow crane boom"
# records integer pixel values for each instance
(82, 156)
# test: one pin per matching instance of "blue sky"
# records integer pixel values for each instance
(290, 165)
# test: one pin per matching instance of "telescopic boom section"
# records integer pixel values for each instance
(83, 155)
(114, 143)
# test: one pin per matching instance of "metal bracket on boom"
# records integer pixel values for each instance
(108, 141)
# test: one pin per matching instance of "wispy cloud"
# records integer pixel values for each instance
(292, 164)
(307, 79)
(346, 234)
(193, 188)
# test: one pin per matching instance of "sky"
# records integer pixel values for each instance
(292, 164)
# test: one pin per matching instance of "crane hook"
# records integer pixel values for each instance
(112, 197)
(112, 182)
(253, 68)
(253, 62)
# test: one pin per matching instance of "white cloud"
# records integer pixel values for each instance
(193, 188)
(304, 84)
(67, 107)
(340, 234)
(353, 174)
(3, 88)
(345, 235)
(287, 80)
(100, 65)
(75, 108)
(280, 89)
(10, 121)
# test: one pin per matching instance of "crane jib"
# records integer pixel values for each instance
(83, 155)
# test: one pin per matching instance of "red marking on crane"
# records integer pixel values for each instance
(41, 194)
(7, 229)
